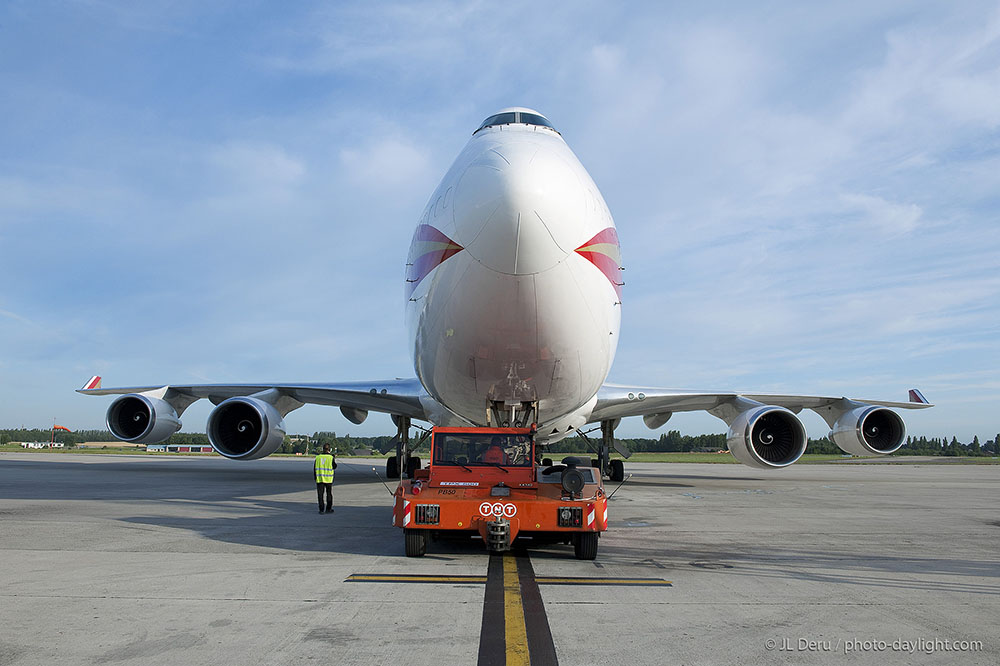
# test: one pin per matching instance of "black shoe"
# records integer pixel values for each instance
(321, 511)
(330, 510)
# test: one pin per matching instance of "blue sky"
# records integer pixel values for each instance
(807, 196)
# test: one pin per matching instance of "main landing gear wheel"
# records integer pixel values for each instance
(617, 470)
(392, 467)
(585, 545)
(412, 465)
(416, 543)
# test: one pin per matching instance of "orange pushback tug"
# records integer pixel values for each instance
(487, 482)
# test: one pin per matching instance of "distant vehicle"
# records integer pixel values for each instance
(489, 483)
(513, 295)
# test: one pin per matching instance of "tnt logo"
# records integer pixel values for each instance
(497, 509)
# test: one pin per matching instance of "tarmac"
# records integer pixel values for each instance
(112, 559)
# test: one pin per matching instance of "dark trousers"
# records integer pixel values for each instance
(328, 488)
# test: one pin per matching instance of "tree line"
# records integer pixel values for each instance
(668, 442)
(674, 442)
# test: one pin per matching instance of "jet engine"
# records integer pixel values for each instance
(142, 419)
(767, 437)
(869, 430)
(245, 428)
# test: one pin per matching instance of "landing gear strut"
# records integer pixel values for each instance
(399, 465)
(404, 464)
(614, 469)
(502, 414)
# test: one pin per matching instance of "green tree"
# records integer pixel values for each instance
(4, 438)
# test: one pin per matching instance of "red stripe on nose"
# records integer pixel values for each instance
(430, 249)
(604, 252)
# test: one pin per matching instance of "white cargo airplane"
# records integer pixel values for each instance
(513, 308)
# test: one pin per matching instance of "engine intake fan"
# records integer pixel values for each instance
(767, 437)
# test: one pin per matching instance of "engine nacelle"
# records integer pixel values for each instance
(141, 419)
(767, 437)
(245, 428)
(869, 430)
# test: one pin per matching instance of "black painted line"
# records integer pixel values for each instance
(414, 578)
(541, 649)
(462, 579)
(492, 642)
(615, 582)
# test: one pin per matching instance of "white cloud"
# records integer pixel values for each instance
(890, 217)
(257, 165)
(385, 163)
(16, 317)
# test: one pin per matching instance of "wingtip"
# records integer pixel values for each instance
(918, 397)
(93, 383)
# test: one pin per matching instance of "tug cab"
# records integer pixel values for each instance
(487, 483)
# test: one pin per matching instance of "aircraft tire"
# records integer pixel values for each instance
(546, 462)
(412, 465)
(391, 468)
(617, 471)
(594, 462)
(415, 542)
(585, 545)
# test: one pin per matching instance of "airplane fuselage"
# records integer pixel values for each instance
(513, 282)
(513, 304)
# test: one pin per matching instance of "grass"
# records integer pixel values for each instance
(809, 458)
(719, 458)
(715, 458)
(111, 450)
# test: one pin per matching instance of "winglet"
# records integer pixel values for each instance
(95, 383)
(915, 396)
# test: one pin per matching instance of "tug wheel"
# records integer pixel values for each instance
(585, 545)
(416, 542)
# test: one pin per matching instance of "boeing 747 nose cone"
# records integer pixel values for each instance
(518, 207)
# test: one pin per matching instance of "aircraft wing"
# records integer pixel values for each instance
(616, 401)
(395, 396)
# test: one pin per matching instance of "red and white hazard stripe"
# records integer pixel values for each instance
(407, 513)
(604, 516)
(591, 514)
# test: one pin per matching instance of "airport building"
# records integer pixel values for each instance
(109, 445)
(180, 448)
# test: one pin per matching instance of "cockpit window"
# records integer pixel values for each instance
(535, 119)
(512, 117)
(500, 119)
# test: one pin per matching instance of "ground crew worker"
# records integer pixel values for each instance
(495, 455)
(323, 467)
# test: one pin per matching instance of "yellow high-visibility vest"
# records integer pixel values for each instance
(324, 468)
